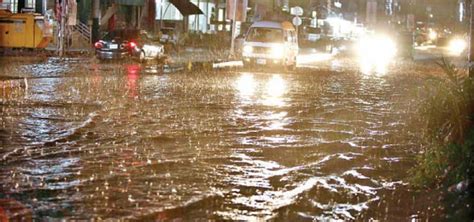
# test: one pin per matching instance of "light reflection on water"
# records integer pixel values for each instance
(376, 66)
(237, 146)
(246, 85)
(269, 92)
(275, 91)
(132, 80)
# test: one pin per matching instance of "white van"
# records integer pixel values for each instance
(270, 43)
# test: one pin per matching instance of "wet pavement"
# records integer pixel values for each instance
(81, 140)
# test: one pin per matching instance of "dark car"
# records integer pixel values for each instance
(116, 44)
(126, 43)
(168, 36)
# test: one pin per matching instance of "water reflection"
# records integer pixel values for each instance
(96, 77)
(269, 92)
(251, 173)
(309, 59)
(133, 72)
(237, 146)
(376, 66)
(275, 91)
(246, 85)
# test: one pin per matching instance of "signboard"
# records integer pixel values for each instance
(241, 13)
(297, 21)
(297, 11)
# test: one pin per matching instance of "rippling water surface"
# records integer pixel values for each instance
(87, 140)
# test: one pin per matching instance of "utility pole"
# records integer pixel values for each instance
(234, 15)
(62, 29)
(161, 14)
(467, 10)
(471, 41)
(196, 17)
(95, 20)
(329, 7)
(207, 16)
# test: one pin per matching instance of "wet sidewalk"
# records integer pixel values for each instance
(185, 55)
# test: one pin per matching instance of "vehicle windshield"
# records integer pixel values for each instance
(265, 35)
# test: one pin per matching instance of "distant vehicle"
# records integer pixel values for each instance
(168, 36)
(121, 44)
(312, 34)
(270, 43)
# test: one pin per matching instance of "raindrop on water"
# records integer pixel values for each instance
(130, 198)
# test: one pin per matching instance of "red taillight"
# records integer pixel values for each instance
(98, 45)
(132, 45)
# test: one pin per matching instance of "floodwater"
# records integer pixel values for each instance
(82, 140)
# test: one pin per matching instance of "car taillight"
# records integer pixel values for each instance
(132, 45)
(98, 45)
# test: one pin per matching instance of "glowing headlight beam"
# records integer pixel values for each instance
(432, 35)
(457, 46)
(376, 52)
(246, 85)
(277, 51)
(247, 49)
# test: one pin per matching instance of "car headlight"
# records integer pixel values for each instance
(457, 46)
(377, 47)
(277, 51)
(433, 35)
(247, 49)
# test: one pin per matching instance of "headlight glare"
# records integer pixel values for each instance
(248, 49)
(457, 46)
(277, 51)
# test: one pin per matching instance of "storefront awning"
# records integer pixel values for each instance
(186, 7)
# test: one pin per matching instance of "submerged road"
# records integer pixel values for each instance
(87, 140)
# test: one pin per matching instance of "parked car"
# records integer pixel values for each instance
(169, 38)
(312, 34)
(126, 43)
(270, 43)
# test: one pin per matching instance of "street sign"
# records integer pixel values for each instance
(297, 11)
(297, 21)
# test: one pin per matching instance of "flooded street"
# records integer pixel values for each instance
(85, 140)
